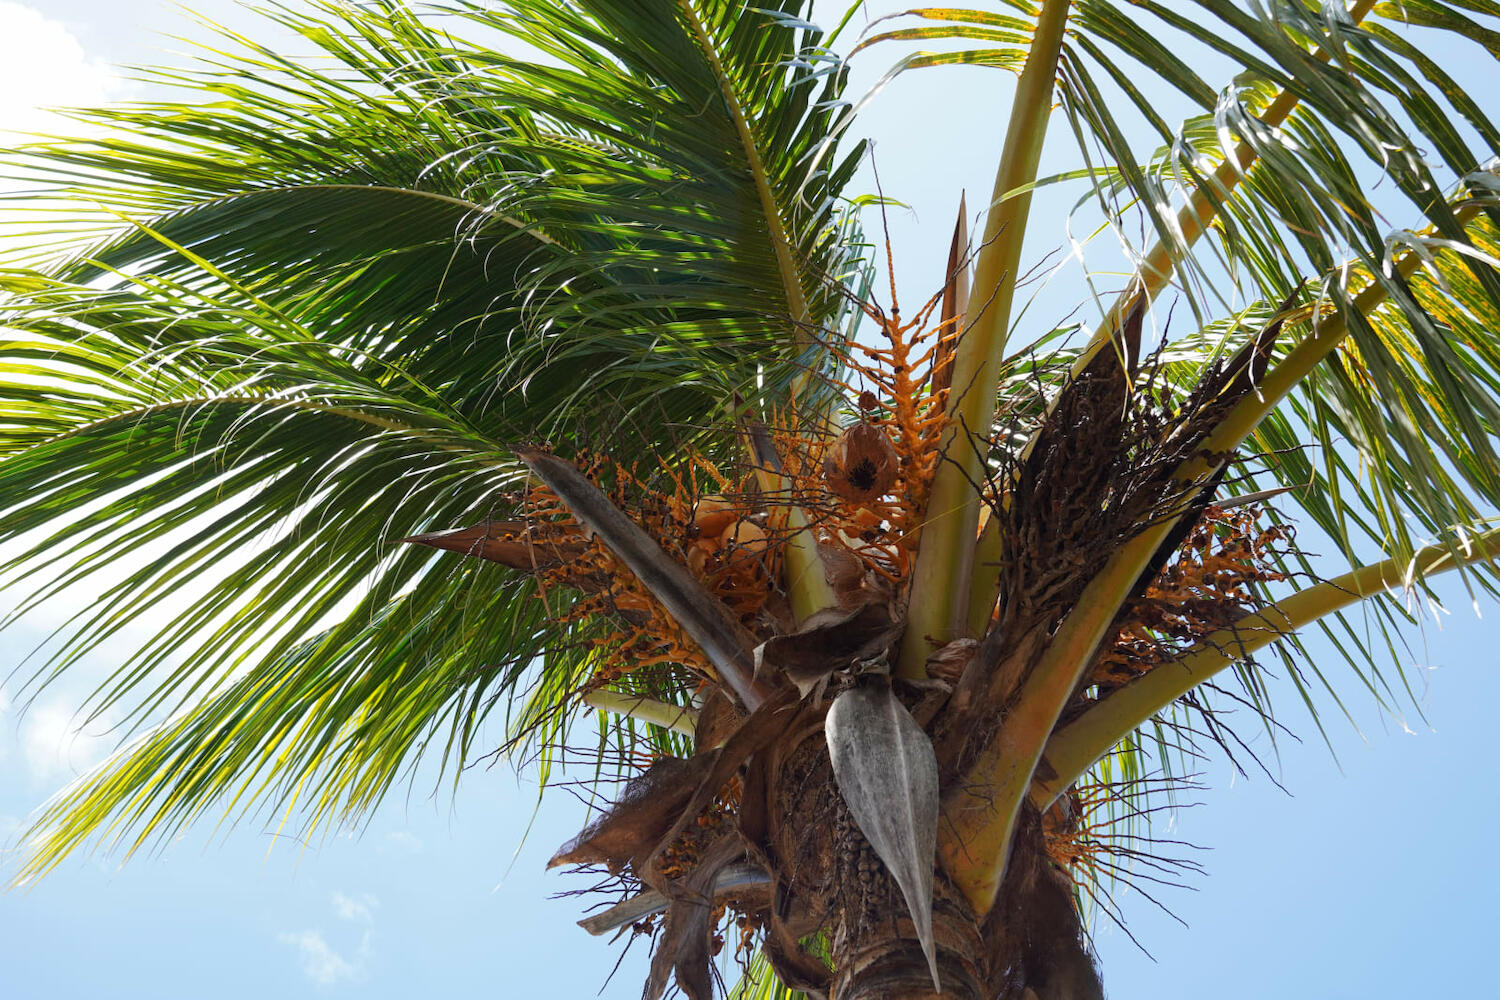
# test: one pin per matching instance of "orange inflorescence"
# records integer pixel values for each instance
(913, 413)
(868, 484)
(681, 856)
(1209, 586)
(865, 490)
(718, 537)
(1070, 835)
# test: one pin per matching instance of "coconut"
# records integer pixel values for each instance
(862, 465)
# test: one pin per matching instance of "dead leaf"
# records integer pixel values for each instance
(684, 945)
(651, 803)
(517, 544)
(829, 640)
(733, 878)
(885, 768)
(763, 726)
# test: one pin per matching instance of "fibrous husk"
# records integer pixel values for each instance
(736, 542)
(652, 802)
(1035, 932)
(862, 465)
(717, 720)
(829, 640)
(1220, 389)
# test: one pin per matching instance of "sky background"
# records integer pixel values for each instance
(1369, 876)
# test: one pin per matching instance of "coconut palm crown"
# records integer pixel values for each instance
(522, 361)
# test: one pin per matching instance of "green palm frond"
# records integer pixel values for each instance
(759, 982)
(1368, 111)
(320, 304)
(437, 197)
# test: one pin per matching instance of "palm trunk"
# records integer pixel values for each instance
(832, 883)
(876, 955)
(1033, 950)
(1030, 947)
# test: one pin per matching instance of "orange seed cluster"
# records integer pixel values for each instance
(1210, 585)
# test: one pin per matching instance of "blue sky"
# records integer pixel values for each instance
(1370, 879)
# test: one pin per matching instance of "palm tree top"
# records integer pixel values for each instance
(583, 291)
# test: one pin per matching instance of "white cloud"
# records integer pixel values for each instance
(54, 744)
(320, 963)
(361, 910)
(43, 66)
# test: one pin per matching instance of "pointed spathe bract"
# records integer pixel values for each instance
(955, 300)
(702, 615)
(509, 543)
(887, 772)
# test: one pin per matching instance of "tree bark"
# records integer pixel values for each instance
(1031, 946)
(875, 951)
(876, 955)
(1034, 936)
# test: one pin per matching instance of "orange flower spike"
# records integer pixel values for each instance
(724, 485)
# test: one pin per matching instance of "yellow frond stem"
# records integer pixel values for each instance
(678, 718)
(808, 589)
(940, 578)
(1073, 749)
(979, 815)
(984, 587)
(1151, 277)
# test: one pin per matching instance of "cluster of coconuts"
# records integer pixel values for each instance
(723, 529)
(862, 466)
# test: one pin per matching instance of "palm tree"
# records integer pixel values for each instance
(543, 370)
